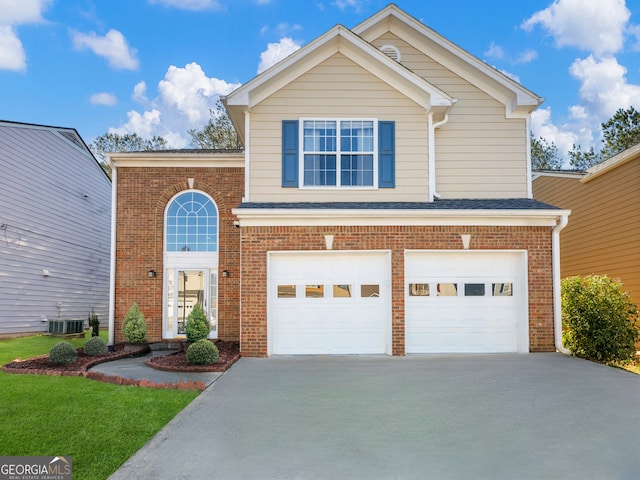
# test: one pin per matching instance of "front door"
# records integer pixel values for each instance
(187, 288)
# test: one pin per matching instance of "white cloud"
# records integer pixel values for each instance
(103, 98)
(564, 136)
(113, 47)
(593, 25)
(12, 13)
(526, 56)
(12, 54)
(24, 11)
(185, 97)
(144, 124)
(191, 92)
(604, 87)
(344, 4)
(139, 94)
(494, 51)
(276, 52)
(194, 5)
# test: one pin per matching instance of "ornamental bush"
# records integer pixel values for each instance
(134, 327)
(63, 353)
(95, 346)
(599, 320)
(202, 352)
(197, 327)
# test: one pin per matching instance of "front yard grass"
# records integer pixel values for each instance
(99, 425)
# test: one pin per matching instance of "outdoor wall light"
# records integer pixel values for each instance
(225, 273)
(151, 273)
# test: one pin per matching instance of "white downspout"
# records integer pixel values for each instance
(557, 293)
(432, 154)
(112, 269)
(247, 149)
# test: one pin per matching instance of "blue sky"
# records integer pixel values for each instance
(157, 66)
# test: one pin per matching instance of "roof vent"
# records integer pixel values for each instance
(391, 51)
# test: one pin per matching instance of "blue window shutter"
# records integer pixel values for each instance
(289, 153)
(386, 154)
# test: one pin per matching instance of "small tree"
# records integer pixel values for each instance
(134, 327)
(94, 323)
(599, 319)
(197, 326)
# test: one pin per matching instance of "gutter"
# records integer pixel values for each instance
(112, 270)
(557, 294)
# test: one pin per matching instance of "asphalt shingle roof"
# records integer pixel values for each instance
(455, 204)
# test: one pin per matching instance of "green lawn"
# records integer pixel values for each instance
(98, 424)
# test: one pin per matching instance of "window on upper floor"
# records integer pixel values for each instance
(338, 153)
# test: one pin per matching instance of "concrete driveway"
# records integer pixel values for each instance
(536, 416)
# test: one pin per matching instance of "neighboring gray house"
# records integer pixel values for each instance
(55, 220)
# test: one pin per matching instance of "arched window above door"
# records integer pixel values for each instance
(192, 223)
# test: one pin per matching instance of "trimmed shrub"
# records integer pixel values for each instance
(599, 320)
(95, 346)
(134, 327)
(202, 352)
(63, 353)
(197, 327)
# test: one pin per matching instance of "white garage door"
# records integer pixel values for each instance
(329, 303)
(466, 302)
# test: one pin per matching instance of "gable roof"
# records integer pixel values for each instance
(518, 100)
(338, 39)
(69, 135)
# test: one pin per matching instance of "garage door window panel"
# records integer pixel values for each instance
(370, 291)
(474, 289)
(419, 290)
(502, 289)
(447, 289)
(286, 291)
(314, 291)
(342, 291)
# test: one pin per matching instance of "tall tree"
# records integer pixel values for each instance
(580, 160)
(128, 142)
(544, 155)
(218, 133)
(620, 132)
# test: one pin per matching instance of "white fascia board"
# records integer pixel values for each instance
(632, 153)
(338, 217)
(521, 102)
(179, 160)
(561, 174)
(340, 39)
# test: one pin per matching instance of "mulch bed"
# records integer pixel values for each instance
(177, 362)
(40, 365)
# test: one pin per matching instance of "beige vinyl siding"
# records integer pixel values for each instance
(338, 88)
(603, 233)
(479, 152)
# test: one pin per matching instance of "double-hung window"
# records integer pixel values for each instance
(339, 153)
(336, 153)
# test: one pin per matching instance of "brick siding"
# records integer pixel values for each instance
(257, 241)
(143, 194)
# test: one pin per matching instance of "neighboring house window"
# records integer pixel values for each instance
(338, 153)
(192, 224)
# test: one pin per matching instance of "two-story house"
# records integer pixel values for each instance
(382, 205)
